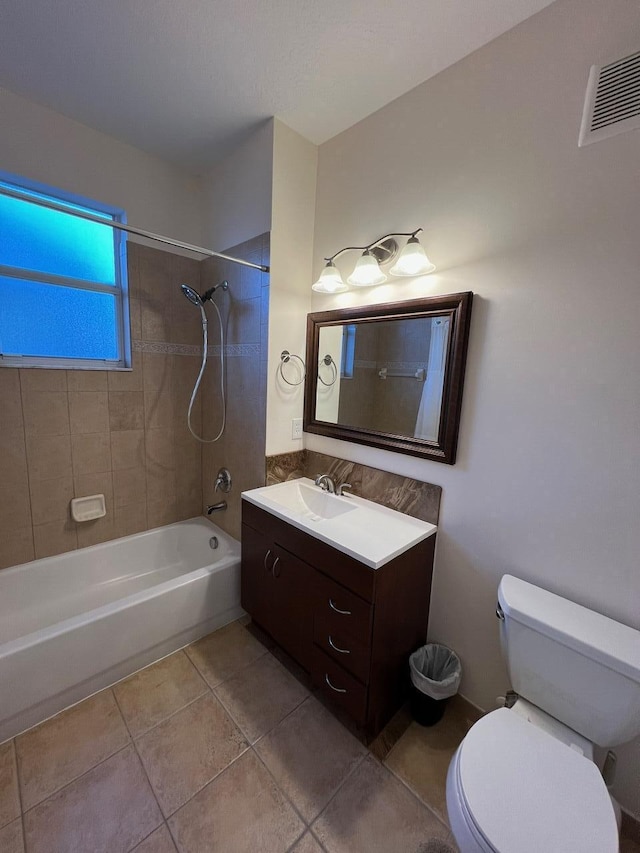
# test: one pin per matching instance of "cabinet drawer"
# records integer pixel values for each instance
(345, 613)
(340, 685)
(350, 653)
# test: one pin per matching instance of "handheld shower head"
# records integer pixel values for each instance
(192, 295)
(199, 300)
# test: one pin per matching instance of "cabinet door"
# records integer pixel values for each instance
(256, 585)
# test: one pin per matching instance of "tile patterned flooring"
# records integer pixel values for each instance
(220, 748)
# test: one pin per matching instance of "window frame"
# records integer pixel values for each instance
(119, 289)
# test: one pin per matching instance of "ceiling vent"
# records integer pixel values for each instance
(612, 104)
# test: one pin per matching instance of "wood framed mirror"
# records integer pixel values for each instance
(390, 375)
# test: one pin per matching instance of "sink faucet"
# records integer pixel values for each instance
(326, 483)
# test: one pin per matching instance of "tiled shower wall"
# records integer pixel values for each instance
(66, 433)
(245, 312)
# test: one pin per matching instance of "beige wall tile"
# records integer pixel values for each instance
(54, 537)
(87, 380)
(48, 456)
(164, 511)
(160, 447)
(95, 532)
(16, 546)
(129, 487)
(50, 499)
(13, 457)
(127, 449)
(154, 320)
(36, 379)
(127, 380)
(45, 412)
(126, 410)
(95, 484)
(91, 453)
(159, 409)
(131, 519)
(157, 370)
(89, 411)
(10, 399)
(135, 319)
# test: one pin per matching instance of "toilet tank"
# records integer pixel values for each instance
(577, 665)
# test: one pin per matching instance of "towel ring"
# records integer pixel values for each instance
(328, 360)
(285, 358)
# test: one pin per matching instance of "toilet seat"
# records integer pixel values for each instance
(519, 790)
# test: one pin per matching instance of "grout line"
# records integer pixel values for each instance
(284, 794)
(19, 787)
(338, 789)
(413, 794)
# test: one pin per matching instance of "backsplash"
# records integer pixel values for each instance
(421, 500)
(69, 433)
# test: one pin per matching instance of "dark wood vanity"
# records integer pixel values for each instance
(350, 626)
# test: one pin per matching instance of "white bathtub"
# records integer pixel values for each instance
(73, 624)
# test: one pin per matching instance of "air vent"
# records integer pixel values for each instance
(612, 104)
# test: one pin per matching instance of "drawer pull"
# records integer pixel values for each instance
(337, 689)
(337, 609)
(266, 557)
(333, 646)
(273, 568)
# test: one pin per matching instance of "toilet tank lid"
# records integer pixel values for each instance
(598, 637)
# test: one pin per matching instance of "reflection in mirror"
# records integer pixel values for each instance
(390, 375)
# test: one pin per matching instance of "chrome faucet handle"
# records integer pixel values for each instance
(325, 482)
(341, 489)
(223, 481)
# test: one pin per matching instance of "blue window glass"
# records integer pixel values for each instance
(52, 321)
(348, 351)
(63, 281)
(43, 240)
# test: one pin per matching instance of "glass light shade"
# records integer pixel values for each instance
(330, 280)
(367, 272)
(412, 260)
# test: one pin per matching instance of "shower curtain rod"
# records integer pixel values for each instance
(120, 226)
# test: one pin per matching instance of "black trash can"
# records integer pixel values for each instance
(435, 677)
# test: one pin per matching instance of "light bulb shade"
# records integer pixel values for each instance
(367, 272)
(412, 260)
(330, 280)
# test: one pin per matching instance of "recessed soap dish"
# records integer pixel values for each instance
(89, 508)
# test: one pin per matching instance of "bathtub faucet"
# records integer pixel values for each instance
(216, 507)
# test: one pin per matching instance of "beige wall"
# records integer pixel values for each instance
(69, 433)
(485, 157)
(237, 192)
(293, 208)
(43, 145)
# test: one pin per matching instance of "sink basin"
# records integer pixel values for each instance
(371, 533)
(309, 501)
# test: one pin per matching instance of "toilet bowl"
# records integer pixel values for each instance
(514, 788)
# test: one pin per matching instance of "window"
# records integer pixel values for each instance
(348, 351)
(63, 282)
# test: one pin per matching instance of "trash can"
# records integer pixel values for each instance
(435, 676)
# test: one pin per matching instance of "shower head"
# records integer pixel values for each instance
(192, 295)
(199, 300)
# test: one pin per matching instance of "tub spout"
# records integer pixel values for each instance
(216, 507)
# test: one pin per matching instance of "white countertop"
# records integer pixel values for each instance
(366, 531)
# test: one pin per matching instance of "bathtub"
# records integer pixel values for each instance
(73, 624)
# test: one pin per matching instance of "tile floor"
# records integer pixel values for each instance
(220, 748)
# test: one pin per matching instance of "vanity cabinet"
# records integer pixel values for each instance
(350, 626)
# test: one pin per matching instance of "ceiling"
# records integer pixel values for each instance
(188, 80)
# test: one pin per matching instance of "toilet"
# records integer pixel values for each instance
(524, 780)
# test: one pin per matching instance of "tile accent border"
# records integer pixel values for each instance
(413, 497)
(165, 348)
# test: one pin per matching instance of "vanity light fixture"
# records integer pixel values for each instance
(411, 261)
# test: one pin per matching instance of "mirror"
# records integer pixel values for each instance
(390, 375)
